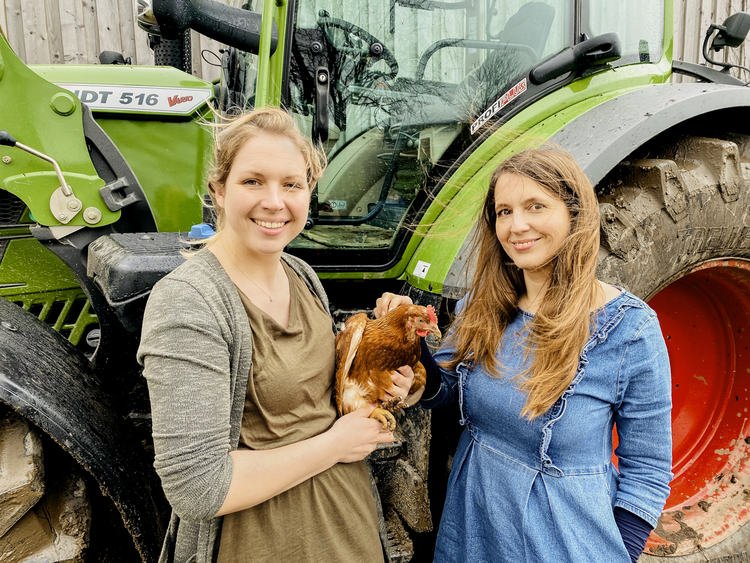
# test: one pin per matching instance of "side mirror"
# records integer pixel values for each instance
(233, 26)
(732, 32)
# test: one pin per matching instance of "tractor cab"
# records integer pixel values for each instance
(396, 92)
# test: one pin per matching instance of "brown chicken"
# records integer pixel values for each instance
(368, 351)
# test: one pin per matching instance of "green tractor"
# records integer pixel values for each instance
(415, 103)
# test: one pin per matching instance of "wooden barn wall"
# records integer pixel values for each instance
(76, 31)
(691, 20)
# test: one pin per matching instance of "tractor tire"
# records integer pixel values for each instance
(48, 504)
(676, 232)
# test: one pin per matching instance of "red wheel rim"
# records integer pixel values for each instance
(705, 319)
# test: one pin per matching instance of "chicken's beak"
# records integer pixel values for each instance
(430, 329)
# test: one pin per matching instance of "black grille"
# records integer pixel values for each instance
(11, 208)
(68, 312)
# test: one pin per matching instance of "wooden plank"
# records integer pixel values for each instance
(81, 32)
(707, 16)
(211, 60)
(734, 55)
(91, 31)
(678, 43)
(143, 55)
(722, 10)
(14, 31)
(739, 56)
(3, 20)
(685, 25)
(691, 31)
(719, 11)
(678, 46)
(127, 33)
(107, 13)
(70, 33)
(195, 54)
(35, 32)
(744, 59)
(54, 31)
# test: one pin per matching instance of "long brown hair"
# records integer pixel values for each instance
(234, 132)
(562, 324)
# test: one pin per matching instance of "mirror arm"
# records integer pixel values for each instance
(598, 50)
(706, 49)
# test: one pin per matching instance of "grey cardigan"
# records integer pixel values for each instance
(196, 350)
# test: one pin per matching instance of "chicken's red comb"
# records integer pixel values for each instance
(431, 314)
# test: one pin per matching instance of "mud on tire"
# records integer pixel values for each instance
(50, 509)
(676, 231)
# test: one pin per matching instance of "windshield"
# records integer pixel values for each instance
(408, 78)
(640, 24)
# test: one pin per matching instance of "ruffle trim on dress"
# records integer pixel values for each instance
(463, 372)
(624, 301)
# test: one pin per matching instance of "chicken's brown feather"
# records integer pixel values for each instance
(386, 344)
(347, 344)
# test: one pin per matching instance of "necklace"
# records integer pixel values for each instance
(251, 281)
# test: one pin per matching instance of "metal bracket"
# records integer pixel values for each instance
(63, 231)
(114, 195)
(64, 207)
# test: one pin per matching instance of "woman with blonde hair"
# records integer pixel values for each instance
(238, 352)
(545, 360)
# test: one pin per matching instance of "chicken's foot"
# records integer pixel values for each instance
(385, 417)
(393, 404)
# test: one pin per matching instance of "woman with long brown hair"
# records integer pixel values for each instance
(544, 360)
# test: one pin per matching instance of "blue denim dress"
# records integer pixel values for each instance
(544, 490)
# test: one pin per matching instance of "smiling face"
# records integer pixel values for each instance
(532, 222)
(265, 197)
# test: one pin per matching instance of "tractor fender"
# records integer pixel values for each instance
(609, 133)
(605, 135)
(50, 383)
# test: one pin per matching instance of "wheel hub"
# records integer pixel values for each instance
(705, 319)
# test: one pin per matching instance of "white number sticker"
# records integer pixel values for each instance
(154, 99)
(421, 269)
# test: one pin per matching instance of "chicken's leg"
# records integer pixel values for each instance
(385, 417)
(393, 404)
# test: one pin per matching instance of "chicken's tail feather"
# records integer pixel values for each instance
(341, 377)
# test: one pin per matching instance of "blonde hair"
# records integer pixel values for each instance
(232, 134)
(562, 324)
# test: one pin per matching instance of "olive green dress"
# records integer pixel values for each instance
(332, 516)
